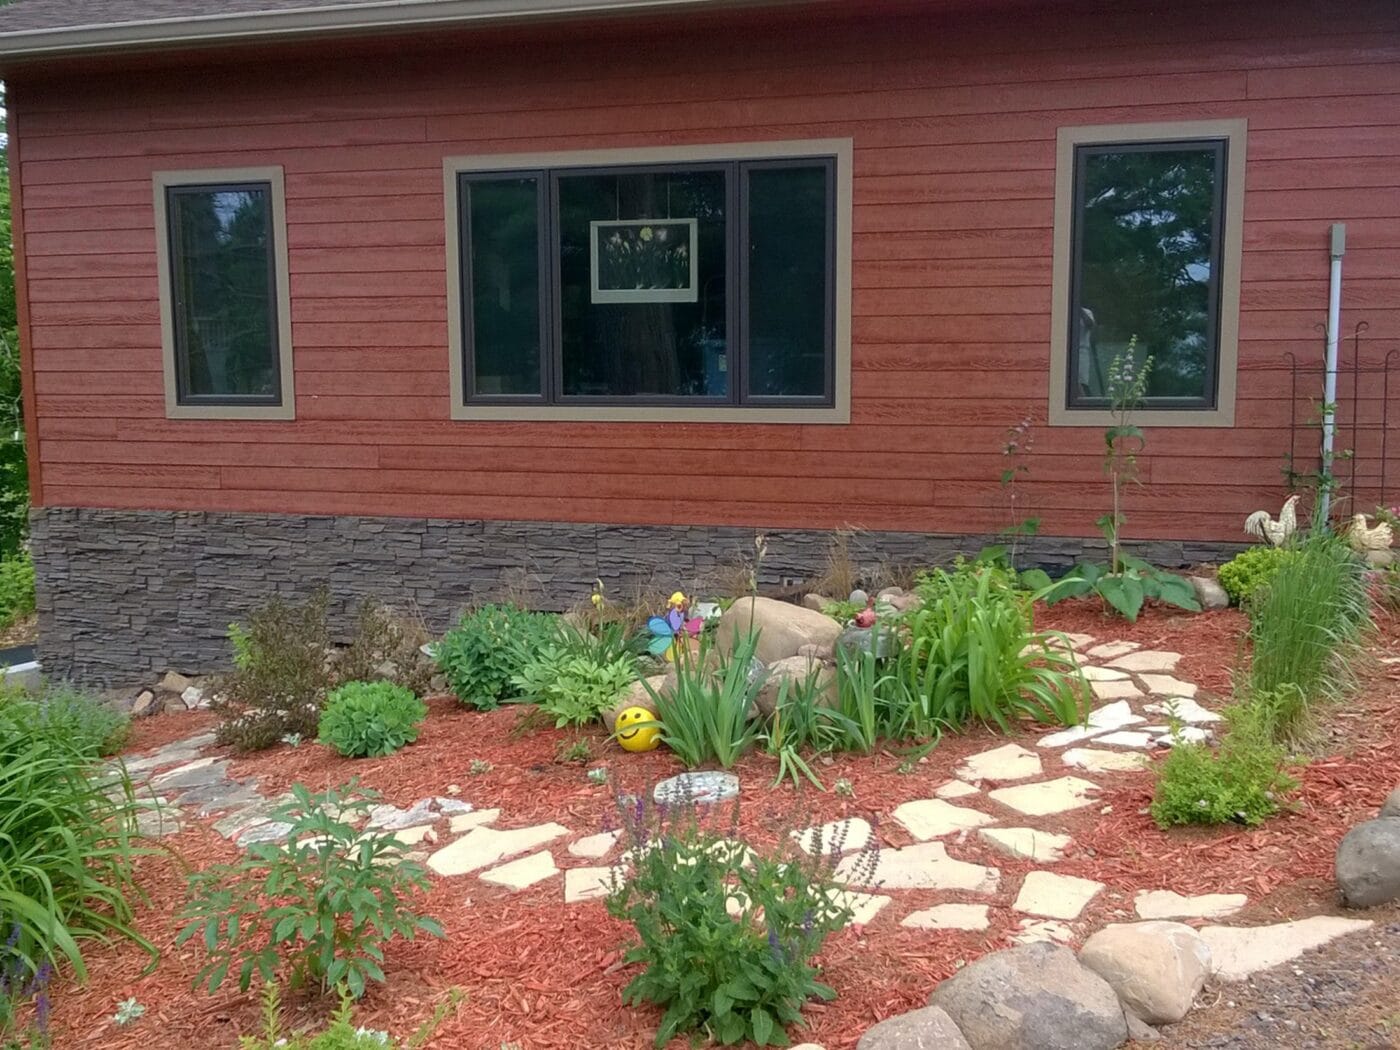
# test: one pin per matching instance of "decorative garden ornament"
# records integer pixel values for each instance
(637, 729)
(1275, 532)
(671, 631)
(1365, 539)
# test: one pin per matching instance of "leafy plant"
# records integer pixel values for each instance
(802, 720)
(16, 588)
(66, 712)
(385, 647)
(323, 904)
(129, 1011)
(1251, 569)
(1014, 452)
(728, 977)
(371, 719)
(280, 676)
(488, 648)
(341, 1033)
(1126, 590)
(706, 715)
(842, 611)
(574, 686)
(479, 767)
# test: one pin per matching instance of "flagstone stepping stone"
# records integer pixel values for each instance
(424, 811)
(1240, 951)
(483, 847)
(1112, 650)
(928, 818)
(702, 787)
(1103, 674)
(412, 836)
(595, 846)
(157, 823)
(1186, 734)
(1115, 690)
(1147, 661)
(1047, 797)
(199, 773)
(1096, 761)
(518, 874)
(1164, 904)
(586, 884)
(466, 821)
(1140, 739)
(241, 797)
(1166, 685)
(266, 831)
(1078, 641)
(955, 789)
(1052, 896)
(1113, 716)
(839, 836)
(1038, 931)
(1009, 762)
(925, 866)
(1043, 847)
(257, 813)
(1183, 709)
(948, 917)
(864, 906)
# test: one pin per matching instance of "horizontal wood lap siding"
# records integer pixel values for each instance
(954, 122)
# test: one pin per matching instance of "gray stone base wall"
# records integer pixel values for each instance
(127, 594)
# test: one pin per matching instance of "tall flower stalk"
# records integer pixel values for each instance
(1123, 441)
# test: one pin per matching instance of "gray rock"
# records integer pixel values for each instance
(796, 669)
(241, 798)
(145, 704)
(1390, 808)
(1032, 997)
(1368, 864)
(858, 597)
(157, 823)
(926, 1029)
(271, 831)
(1209, 592)
(699, 787)
(173, 682)
(184, 779)
(886, 593)
(879, 640)
(815, 602)
(782, 628)
(1156, 968)
(1140, 1031)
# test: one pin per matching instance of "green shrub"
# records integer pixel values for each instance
(722, 977)
(707, 715)
(280, 675)
(573, 687)
(803, 719)
(371, 719)
(1243, 781)
(16, 588)
(324, 903)
(488, 648)
(341, 1033)
(1249, 570)
(385, 647)
(91, 727)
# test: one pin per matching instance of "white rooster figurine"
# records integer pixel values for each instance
(1366, 540)
(1276, 532)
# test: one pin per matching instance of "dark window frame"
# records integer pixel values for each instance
(179, 307)
(1220, 148)
(736, 286)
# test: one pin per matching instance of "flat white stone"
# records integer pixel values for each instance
(1183, 709)
(483, 847)
(595, 846)
(583, 884)
(1237, 952)
(1050, 796)
(1094, 760)
(839, 836)
(1043, 847)
(1164, 904)
(928, 818)
(267, 831)
(1129, 738)
(1111, 650)
(925, 866)
(1103, 674)
(1187, 735)
(391, 818)
(526, 871)
(1115, 690)
(1167, 685)
(955, 789)
(948, 917)
(1009, 762)
(466, 821)
(412, 836)
(1117, 715)
(864, 906)
(1033, 931)
(1053, 896)
(1148, 661)
(188, 767)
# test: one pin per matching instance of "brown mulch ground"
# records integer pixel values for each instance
(549, 976)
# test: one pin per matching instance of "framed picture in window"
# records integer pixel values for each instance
(643, 260)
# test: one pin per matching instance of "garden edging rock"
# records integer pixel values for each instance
(1156, 968)
(928, 1029)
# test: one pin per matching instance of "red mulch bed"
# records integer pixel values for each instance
(549, 976)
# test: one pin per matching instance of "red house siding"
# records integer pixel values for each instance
(954, 122)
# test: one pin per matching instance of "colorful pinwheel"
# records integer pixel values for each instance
(669, 631)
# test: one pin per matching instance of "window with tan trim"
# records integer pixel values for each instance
(225, 318)
(694, 283)
(1146, 269)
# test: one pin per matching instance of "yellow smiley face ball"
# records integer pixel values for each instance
(633, 732)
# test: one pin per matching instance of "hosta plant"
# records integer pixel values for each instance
(574, 687)
(371, 719)
(488, 648)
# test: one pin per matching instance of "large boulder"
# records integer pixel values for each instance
(926, 1029)
(1032, 997)
(795, 669)
(783, 628)
(1368, 863)
(1157, 968)
(635, 695)
(1391, 806)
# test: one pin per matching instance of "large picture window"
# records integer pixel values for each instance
(1150, 279)
(691, 284)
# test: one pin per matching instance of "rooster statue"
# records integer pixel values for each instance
(1276, 532)
(1367, 540)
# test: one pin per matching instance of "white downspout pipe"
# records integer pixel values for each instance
(1329, 382)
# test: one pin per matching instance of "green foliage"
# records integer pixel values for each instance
(575, 752)
(802, 719)
(1123, 442)
(341, 1033)
(16, 587)
(371, 719)
(65, 712)
(1251, 569)
(726, 978)
(1243, 781)
(280, 676)
(385, 647)
(483, 653)
(1127, 590)
(706, 716)
(574, 685)
(842, 611)
(66, 830)
(323, 904)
